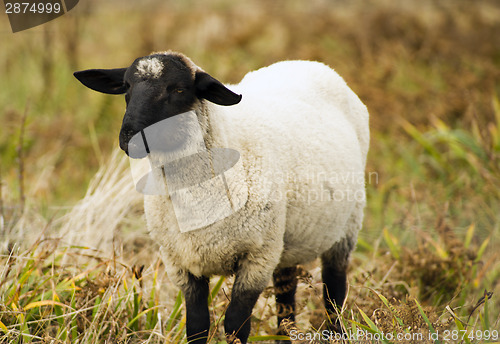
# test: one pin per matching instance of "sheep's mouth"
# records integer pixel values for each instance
(139, 146)
(136, 149)
(172, 138)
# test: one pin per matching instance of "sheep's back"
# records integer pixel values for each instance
(312, 131)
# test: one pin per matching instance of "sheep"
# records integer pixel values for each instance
(303, 137)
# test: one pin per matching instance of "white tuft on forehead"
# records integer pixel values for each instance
(149, 67)
(190, 64)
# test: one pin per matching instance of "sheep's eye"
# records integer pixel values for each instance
(179, 90)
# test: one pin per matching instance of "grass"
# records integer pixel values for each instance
(48, 299)
(76, 265)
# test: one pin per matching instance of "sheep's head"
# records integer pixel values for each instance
(156, 87)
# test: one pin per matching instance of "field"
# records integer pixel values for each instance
(76, 263)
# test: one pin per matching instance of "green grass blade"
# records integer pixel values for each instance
(389, 306)
(372, 327)
(96, 307)
(365, 245)
(427, 321)
(216, 289)
(391, 243)
(74, 324)
(461, 329)
(481, 249)
(469, 235)
(358, 324)
(427, 144)
(3, 327)
(135, 313)
(134, 320)
(152, 317)
(485, 319)
(176, 311)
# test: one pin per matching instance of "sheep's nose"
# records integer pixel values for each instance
(133, 144)
(124, 146)
(126, 135)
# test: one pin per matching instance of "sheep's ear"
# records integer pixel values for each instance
(103, 80)
(213, 90)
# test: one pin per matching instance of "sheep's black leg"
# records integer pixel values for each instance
(197, 314)
(253, 272)
(285, 286)
(334, 267)
(238, 313)
(334, 289)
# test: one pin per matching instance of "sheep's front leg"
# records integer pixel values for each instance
(237, 323)
(250, 281)
(197, 314)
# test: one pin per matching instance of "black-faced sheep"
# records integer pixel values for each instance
(303, 139)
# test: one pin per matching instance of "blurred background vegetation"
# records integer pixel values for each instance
(428, 71)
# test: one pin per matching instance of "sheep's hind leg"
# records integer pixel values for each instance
(285, 286)
(334, 268)
(197, 314)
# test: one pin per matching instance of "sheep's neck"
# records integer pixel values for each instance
(207, 122)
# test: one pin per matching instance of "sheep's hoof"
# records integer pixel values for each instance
(232, 339)
(333, 325)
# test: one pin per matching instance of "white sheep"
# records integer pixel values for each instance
(303, 137)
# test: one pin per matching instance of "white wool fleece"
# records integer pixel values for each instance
(303, 138)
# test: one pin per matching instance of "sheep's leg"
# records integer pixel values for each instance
(197, 314)
(251, 279)
(238, 313)
(334, 267)
(285, 286)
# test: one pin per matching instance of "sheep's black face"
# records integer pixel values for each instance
(156, 87)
